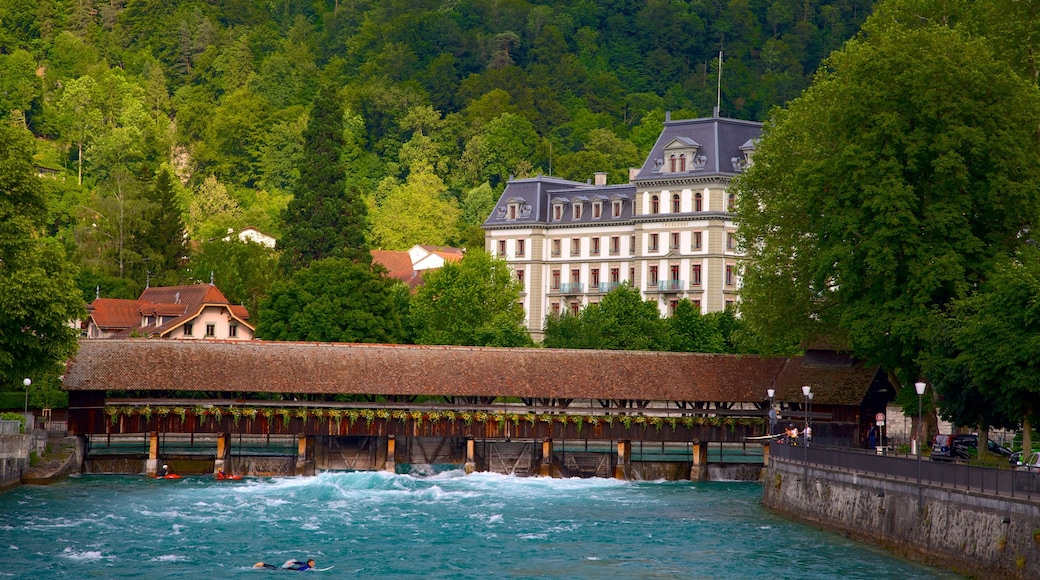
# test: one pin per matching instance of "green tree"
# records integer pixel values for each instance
(324, 219)
(693, 331)
(244, 271)
(414, 212)
(38, 294)
(621, 321)
(162, 240)
(886, 191)
(332, 300)
(475, 302)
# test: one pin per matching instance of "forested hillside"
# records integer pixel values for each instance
(165, 116)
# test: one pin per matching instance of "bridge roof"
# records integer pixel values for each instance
(325, 368)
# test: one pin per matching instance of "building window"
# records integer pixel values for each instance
(695, 275)
(632, 274)
(513, 210)
(556, 247)
(593, 278)
(729, 275)
(673, 241)
(189, 329)
(557, 212)
(615, 245)
(632, 245)
(575, 246)
(731, 200)
(672, 304)
(615, 275)
(211, 330)
(671, 164)
(520, 276)
(729, 306)
(675, 203)
(232, 330)
(594, 250)
(696, 240)
(575, 307)
(731, 241)
(501, 248)
(616, 208)
(575, 276)
(673, 273)
(555, 279)
(597, 210)
(576, 211)
(682, 163)
(655, 204)
(555, 308)
(698, 202)
(520, 248)
(653, 276)
(653, 242)
(697, 304)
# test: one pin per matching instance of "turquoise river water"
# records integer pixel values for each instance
(379, 525)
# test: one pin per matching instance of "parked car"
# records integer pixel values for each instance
(1032, 463)
(963, 446)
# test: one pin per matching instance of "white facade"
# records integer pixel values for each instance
(669, 232)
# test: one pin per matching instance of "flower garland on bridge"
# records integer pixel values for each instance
(337, 416)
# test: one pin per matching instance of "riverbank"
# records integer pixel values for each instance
(972, 533)
(34, 457)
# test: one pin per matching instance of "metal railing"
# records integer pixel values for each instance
(608, 286)
(670, 285)
(989, 480)
(572, 288)
(8, 427)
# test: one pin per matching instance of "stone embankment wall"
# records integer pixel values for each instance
(981, 535)
(15, 452)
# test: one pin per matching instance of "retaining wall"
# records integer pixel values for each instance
(971, 533)
(15, 453)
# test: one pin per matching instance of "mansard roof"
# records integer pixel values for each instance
(325, 368)
(720, 140)
(536, 195)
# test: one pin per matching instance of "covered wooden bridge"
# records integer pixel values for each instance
(353, 406)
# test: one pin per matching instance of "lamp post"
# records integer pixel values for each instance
(808, 422)
(919, 386)
(772, 411)
(27, 382)
(805, 443)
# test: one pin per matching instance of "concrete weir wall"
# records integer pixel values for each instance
(15, 453)
(971, 533)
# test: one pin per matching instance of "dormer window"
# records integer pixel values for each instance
(513, 211)
(557, 212)
(576, 211)
(616, 208)
(684, 155)
(597, 210)
(682, 163)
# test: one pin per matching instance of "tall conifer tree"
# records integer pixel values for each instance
(324, 219)
(163, 238)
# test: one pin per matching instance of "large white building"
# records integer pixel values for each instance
(668, 232)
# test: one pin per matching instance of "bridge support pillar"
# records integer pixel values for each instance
(222, 452)
(390, 465)
(151, 467)
(623, 470)
(304, 455)
(471, 456)
(545, 468)
(699, 467)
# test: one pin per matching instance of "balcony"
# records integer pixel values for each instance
(572, 288)
(667, 286)
(605, 287)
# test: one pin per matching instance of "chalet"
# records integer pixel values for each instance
(198, 311)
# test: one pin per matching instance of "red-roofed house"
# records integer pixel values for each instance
(198, 311)
(409, 266)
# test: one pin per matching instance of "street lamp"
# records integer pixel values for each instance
(808, 422)
(772, 411)
(805, 443)
(919, 386)
(27, 382)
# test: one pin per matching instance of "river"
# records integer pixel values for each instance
(379, 525)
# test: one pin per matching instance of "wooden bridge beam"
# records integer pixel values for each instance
(471, 456)
(699, 467)
(151, 466)
(545, 468)
(390, 465)
(623, 469)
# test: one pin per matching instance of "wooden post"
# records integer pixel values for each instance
(152, 465)
(305, 446)
(545, 469)
(624, 459)
(390, 465)
(699, 467)
(765, 455)
(471, 456)
(222, 449)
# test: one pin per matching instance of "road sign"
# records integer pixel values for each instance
(880, 417)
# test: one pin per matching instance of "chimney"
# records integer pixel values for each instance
(601, 177)
(633, 172)
(667, 116)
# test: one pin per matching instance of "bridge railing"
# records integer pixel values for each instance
(989, 480)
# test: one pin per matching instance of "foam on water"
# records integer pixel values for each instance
(448, 525)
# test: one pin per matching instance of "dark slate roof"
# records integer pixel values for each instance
(720, 141)
(297, 367)
(536, 195)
